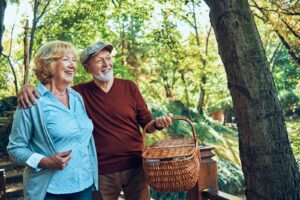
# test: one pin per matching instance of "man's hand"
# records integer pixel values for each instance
(163, 121)
(160, 123)
(56, 161)
(27, 96)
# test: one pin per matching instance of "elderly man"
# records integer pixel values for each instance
(117, 110)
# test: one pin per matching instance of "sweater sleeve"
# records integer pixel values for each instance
(143, 114)
(19, 140)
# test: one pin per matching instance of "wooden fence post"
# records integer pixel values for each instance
(2, 185)
(208, 178)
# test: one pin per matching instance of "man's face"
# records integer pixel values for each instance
(101, 65)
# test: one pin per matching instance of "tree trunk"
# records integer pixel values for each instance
(268, 163)
(186, 92)
(26, 53)
(2, 11)
(39, 11)
(168, 89)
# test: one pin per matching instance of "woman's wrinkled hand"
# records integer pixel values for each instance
(56, 161)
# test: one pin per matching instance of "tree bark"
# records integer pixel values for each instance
(2, 11)
(268, 163)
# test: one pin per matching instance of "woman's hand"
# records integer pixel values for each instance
(56, 161)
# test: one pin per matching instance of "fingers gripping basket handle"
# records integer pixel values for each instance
(175, 119)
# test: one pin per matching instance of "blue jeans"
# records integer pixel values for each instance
(82, 195)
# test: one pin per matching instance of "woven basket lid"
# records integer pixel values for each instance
(170, 149)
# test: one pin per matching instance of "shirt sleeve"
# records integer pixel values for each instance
(34, 160)
(19, 140)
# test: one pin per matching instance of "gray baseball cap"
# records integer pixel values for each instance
(93, 49)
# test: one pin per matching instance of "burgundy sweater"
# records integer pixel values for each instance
(117, 117)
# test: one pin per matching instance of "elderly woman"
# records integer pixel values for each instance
(53, 138)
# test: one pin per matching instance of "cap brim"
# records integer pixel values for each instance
(87, 56)
(107, 47)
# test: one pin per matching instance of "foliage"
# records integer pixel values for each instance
(168, 195)
(230, 177)
(74, 22)
(294, 135)
(289, 100)
(282, 19)
(286, 71)
(3, 76)
(6, 104)
(4, 134)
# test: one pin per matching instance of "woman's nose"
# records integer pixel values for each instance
(73, 64)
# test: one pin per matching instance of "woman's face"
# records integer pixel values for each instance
(65, 69)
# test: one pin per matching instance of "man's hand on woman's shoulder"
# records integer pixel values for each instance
(27, 96)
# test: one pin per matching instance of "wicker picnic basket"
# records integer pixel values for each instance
(172, 165)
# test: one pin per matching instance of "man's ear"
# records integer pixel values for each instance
(86, 67)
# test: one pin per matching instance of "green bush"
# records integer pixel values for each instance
(289, 100)
(8, 104)
(230, 177)
(4, 134)
(168, 195)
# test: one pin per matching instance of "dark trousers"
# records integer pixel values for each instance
(132, 182)
(82, 195)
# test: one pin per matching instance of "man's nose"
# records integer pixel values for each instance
(105, 62)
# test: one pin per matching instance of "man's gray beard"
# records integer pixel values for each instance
(105, 77)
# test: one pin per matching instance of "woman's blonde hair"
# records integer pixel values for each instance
(43, 60)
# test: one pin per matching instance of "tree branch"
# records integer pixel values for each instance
(207, 40)
(292, 53)
(279, 9)
(35, 20)
(273, 56)
(290, 28)
(287, 46)
(184, 18)
(13, 71)
(44, 10)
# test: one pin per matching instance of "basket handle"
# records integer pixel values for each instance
(173, 119)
